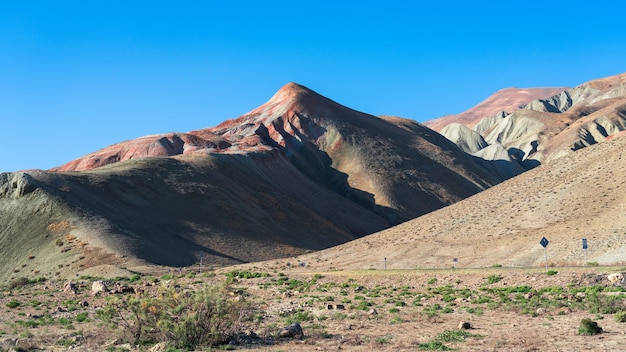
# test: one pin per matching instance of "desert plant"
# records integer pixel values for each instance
(589, 327)
(620, 316)
(13, 303)
(492, 279)
(202, 318)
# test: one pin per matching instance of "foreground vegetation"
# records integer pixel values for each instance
(240, 309)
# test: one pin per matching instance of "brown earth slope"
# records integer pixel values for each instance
(578, 196)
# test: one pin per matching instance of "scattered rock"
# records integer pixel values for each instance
(616, 278)
(465, 325)
(119, 289)
(292, 331)
(159, 347)
(372, 311)
(540, 311)
(563, 311)
(70, 287)
(84, 304)
(98, 286)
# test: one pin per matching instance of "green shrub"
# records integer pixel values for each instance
(589, 327)
(13, 303)
(433, 346)
(492, 279)
(551, 272)
(205, 317)
(620, 316)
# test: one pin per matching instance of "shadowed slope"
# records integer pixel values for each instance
(582, 196)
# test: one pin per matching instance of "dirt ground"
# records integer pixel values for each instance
(380, 310)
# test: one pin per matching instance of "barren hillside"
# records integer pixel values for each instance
(581, 195)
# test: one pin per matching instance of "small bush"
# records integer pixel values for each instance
(22, 281)
(433, 346)
(493, 279)
(589, 327)
(203, 318)
(13, 303)
(551, 272)
(620, 316)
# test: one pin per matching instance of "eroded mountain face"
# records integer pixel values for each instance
(546, 129)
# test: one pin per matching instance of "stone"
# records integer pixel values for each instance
(98, 286)
(292, 331)
(540, 311)
(70, 287)
(464, 325)
(615, 278)
(372, 311)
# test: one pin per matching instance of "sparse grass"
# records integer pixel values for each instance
(492, 279)
(13, 304)
(589, 327)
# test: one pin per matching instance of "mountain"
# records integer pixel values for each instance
(579, 196)
(507, 100)
(547, 129)
(298, 174)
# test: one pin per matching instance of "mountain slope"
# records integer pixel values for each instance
(581, 196)
(299, 173)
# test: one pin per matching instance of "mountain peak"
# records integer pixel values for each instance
(293, 92)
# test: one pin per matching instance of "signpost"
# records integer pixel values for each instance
(585, 250)
(544, 243)
(385, 263)
(454, 261)
(201, 255)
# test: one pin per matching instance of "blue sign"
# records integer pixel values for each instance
(544, 242)
(584, 243)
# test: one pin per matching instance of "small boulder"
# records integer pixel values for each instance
(292, 331)
(70, 287)
(615, 278)
(372, 311)
(98, 286)
(465, 325)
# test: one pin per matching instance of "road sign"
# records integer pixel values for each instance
(584, 243)
(544, 242)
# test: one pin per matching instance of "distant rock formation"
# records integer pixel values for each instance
(505, 100)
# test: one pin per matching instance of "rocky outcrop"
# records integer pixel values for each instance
(18, 184)
(549, 128)
(505, 100)
(468, 140)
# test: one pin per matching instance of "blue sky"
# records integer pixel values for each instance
(77, 76)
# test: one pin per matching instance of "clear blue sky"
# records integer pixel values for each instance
(77, 76)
